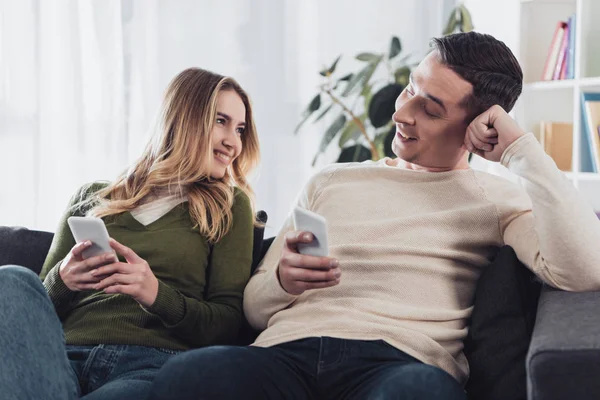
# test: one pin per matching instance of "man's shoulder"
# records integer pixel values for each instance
(332, 169)
(500, 189)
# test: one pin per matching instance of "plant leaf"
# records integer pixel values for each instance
(402, 76)
(302, 121)
(332, 131)
(345, 78)
(323, 113)
(331, 69)
(387, 142)
(452, 22)
(466, 22)
(362, 77)
(382, 104)
(368, 57)
(354, 153)
(313, 106)
(350, 132)
(315, 103)
(395, 47)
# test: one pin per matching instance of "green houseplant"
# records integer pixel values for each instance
(363, 104)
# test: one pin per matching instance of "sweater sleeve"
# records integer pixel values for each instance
(558, 233)
(264, 296)
(62, 243)
(218, 318)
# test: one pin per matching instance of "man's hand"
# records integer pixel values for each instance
(133, 278)
(491, 133)
(298, 273)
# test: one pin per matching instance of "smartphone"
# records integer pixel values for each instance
(94, 230)
(308, 221)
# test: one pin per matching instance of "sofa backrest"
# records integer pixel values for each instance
(28, 248)
(21, 246)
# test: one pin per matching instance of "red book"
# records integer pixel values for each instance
(562, 55)
(553, 51)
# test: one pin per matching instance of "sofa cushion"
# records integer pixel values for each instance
(21, 246)
(500, 331)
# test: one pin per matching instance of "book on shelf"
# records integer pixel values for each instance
(557, 140)
(561, 53)
(590, 116)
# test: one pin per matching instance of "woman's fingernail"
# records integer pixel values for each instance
(93, 272)
(307, 236)
(87, 243)
(334, 263)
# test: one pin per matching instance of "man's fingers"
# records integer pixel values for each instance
(475, 140)
(311, 275)
(292, 239)
(320, 285)
(304, 261)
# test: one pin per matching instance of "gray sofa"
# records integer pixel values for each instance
(563, 361)
(562, 354)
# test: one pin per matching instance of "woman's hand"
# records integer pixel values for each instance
(75, 270)
(133, 278)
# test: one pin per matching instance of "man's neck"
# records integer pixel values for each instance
(462, 164)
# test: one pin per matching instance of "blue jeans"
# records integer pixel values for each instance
(313, 368)
(35, 363)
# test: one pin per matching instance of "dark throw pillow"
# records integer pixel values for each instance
(500, 331)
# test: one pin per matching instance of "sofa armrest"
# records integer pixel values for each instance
(564, 356)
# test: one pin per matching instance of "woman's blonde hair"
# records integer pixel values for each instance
(180, 155)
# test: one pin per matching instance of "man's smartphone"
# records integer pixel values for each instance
(316, 224)
(94, 230)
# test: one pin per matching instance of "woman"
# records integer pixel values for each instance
(181, 221)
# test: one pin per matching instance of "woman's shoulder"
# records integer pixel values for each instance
(82, 198)
(241, 201)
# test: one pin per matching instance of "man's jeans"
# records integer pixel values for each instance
(35, 364)
(313, 368)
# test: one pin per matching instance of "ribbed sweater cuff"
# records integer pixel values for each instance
(59, 293)
(519, 148)
(169, 305)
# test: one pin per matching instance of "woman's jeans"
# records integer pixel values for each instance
(35, 363)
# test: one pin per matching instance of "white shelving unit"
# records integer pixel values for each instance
(559, 101)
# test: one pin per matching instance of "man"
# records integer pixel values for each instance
(385, 316)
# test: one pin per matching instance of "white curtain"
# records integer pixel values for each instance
(81, 81)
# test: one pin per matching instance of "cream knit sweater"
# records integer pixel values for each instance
(413, 244)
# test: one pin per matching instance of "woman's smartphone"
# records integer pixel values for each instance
(94, 230)
(308, 221)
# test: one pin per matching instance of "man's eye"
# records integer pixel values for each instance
(428, 113)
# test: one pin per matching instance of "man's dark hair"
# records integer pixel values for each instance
(486, 63)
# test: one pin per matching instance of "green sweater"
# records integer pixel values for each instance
(200, 288)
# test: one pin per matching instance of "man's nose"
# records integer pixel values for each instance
(404, 113)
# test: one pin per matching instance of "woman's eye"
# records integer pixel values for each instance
(221, 121)
(241, 130)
